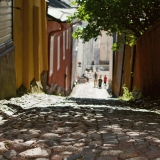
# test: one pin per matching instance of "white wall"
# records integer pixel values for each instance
(80, 58)
(92, 51)
(106, 54)
(105, 47)
(74, 58)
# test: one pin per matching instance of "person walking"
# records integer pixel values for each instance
(100, 81)
(105, 80)
(95, 79)
(86, 75)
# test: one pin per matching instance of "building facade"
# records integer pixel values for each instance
(59, 48)
(60, 57)
(7, 55)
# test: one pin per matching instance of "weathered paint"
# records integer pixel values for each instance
(30, 40)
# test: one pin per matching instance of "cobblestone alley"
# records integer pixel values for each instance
(47, 127)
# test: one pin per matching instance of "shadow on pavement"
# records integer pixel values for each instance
(90, 101)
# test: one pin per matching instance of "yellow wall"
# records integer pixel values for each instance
(30, 40)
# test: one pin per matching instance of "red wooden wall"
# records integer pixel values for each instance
(147, 67)
(59, 75)
(139, 66)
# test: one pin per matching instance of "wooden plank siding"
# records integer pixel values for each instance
(147, 70)
(128, 68)
(140, 66)
(60, 55)
(123, 69)
(5, 17)
(118, 71)
(5, 25)
(7, 60)
(6, 42)
(5, 38)
(5, 32)
(5, 21)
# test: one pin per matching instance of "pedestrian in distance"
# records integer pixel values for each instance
(86, 77)
(105, 80)
(95, 79)
(85, 72)
(100, 81)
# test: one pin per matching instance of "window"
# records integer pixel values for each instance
(67, 39)
(58, 54)
(64, 48)
(51, 56)
(5, 25)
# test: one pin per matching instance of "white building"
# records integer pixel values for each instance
(106, 55)
(92, 55)
(84, 55)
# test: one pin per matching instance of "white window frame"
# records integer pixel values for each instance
(51, 56)
(58, 52)
(67, 39)
(64, 44)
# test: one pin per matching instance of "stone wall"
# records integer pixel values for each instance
(7, 76)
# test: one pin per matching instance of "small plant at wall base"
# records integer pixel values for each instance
(127, 95)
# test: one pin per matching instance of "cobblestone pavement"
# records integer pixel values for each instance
(46, 127)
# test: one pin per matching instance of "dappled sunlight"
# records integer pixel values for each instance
(73, 130)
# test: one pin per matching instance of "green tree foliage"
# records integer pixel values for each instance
(129, 17)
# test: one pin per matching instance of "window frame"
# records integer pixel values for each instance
(58, 51)
(64, 44)
(51, 64)
(67, 38)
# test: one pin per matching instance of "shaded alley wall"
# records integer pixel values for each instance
(147, 67)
